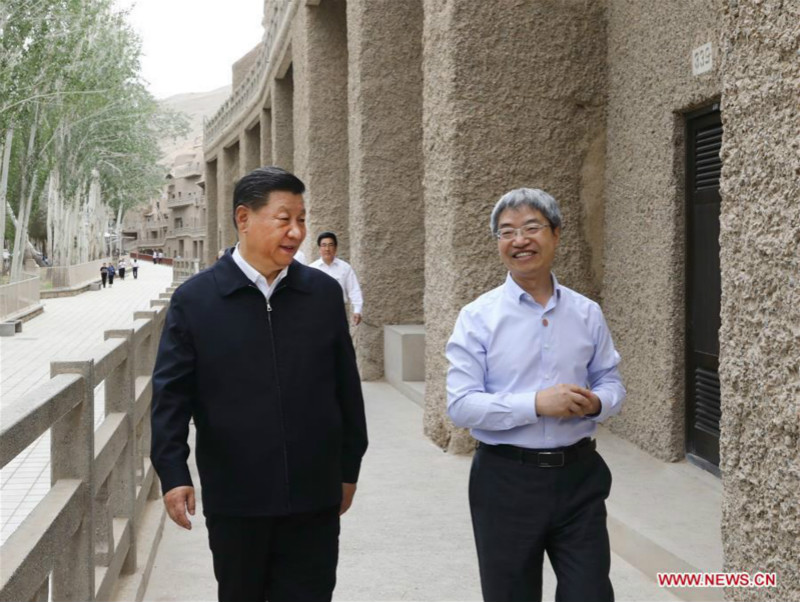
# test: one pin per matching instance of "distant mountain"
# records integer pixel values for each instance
(196, 105)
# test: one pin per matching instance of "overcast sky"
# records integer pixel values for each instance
(189, 46)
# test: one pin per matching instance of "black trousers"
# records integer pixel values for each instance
(281, 559)
(520, 511)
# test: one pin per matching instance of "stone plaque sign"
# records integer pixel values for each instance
(701, 59)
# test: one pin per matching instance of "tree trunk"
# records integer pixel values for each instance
(12, 216)
(21, 236)
(4, 184)
(119, 229)
(21, 241)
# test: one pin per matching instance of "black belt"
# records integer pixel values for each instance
(543, 458)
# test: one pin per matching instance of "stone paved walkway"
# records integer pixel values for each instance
(69, 328)
(408, 535)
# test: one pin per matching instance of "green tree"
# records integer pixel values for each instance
(79, 131)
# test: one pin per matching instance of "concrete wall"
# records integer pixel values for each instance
(227, 176)
(212, 208)
(650, 83)
(512, 97)
(266, 136)
(387, 227)
(250, 149)
(319, 60)
(283, 121)
(760, 334)
(240, 68)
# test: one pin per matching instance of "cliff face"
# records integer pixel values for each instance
(197, 105)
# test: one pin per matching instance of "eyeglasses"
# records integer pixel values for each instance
(526, 231)
(327, 245)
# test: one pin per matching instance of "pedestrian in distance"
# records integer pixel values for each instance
(135, 268)
(278, 453)
(341, 271)
(111, 273)
(104, 274)
(532, 371)
(122, 267)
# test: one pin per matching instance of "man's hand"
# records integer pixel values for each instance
(356, 319)
(348, 491)
(566, 401)
(594, 406)
(178, 500)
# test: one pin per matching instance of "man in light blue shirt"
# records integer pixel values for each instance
(532, 371)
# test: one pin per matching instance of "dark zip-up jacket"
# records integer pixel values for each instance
(275, 395)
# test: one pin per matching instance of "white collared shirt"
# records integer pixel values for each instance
(256, 277)
(343, 273)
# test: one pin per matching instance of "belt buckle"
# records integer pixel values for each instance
(547, 463)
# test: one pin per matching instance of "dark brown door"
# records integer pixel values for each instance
(703, 164)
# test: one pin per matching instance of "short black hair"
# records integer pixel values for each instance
(327, 234)
(254, 188)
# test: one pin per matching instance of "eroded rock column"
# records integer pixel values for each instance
(228, 175)
(282, 121)
(319, 58)
(512, 98)
(250, 149)
(386, 202)
(760, 332)
(266, 137)
(212, 213)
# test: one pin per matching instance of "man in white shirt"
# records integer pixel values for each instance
(341, 271)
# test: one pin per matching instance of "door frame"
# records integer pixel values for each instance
(691, 118)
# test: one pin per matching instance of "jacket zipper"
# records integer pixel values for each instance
(280, 403)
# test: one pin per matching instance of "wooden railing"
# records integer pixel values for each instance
(82, 536)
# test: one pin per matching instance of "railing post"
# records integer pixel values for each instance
(146, 353)
(120, 398)
(103, 527)
(145, 361)
(72, 457)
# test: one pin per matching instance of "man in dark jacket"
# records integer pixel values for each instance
(256, 349)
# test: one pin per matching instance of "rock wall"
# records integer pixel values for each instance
(512, 97)
(650, 85)
(319, 59)
(387, 228)
(760, 261)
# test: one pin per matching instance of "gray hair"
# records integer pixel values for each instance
(527, 197)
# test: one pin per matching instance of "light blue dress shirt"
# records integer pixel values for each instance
(505, 347)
